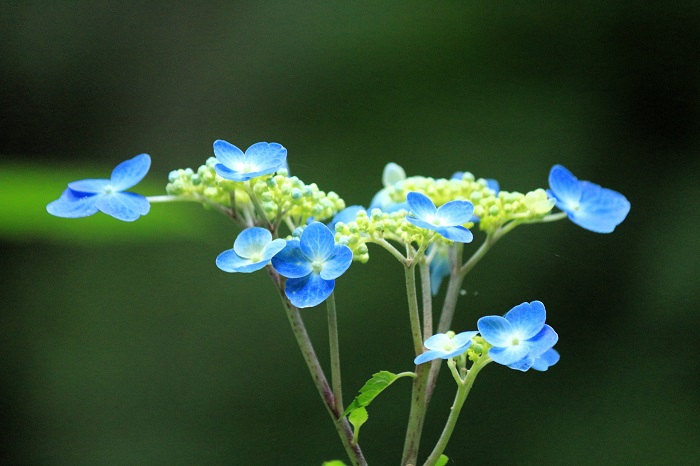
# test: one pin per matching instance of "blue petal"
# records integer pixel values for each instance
(546, 360)
(290, 262)
(421, 206)
(392, 174)
(527, 319)
(544, 340)
(421, 223)
(464, 338)
(317, 242)
(269, 157)
(229, 174)
(252, 241)
(496, 330)
(229, 261)
(601, 209)
(458, 234)
(507, 355)
(123, 206)
(72, 205)
(273, 248)
(524, 364)
(308, 291)
(455, 213)
(439, 266)
(130, 172)
(493, 185)
(437, 342)
(565, 186)
(347, 215)
(338, 263)
(227, 154)
(91, 186)
(427, 356)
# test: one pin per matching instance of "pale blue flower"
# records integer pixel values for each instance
(447, 220)
(311, 264)
(347, 215)
(86, 197)
(587, 204)
(440, 265)
(441, 345)
(259, 159)
(252, 250)
(519, 337)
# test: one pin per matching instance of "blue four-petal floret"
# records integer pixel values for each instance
(260, 159)
(587, 204)
(520, 337)
(311, 265)
(86, 197)
(444, 346)
(252, 250)
(447, 220)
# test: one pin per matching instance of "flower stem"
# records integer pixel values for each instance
(335, 354)
(427, 296)
(464, 386)
(341, 424)
(417, 413)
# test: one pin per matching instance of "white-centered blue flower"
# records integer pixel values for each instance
(392, 175)
(260, 159)
(447, 220)
(441, 345)
(587, 204)
(519, 337)
(86, 197)
(311, 265)
(252, 250)
(546, 360)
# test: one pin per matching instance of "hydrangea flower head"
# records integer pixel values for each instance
(86, 197)
(587, 204)
(392, 175)
(519, 337)
(447, 220)
(260, 159)
(347, 215)
(252, 251)
(311, 264)
(445, 346)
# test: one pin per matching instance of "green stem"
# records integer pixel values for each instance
(417, 412)
(256, 203)
(341, 424)
(416, 416)
(389, 247)
(426, 294)
(335, 354)
(462, 392)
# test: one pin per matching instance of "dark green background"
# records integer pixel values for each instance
(124, 344)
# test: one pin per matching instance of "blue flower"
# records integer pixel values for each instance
(259, 159)
(86, 197)
(392, 175)
(519, 337)
(440, 265)
(252, 251)
(546, 360)
(311, 264)
(446, 220)
(586, 204)
(442, 346)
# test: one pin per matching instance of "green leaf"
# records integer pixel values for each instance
(371, 389)
(334, 463)
(357, 417)
(442, 461)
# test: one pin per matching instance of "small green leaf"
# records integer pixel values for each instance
(357, 417)
(442, 461)
(333, 463)
(371, 389)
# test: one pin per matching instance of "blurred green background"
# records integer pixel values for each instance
(123, 344)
